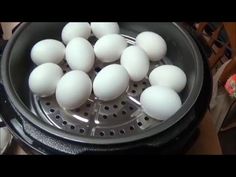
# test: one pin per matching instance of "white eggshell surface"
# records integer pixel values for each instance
(110, 47)
(48, 51)
(44, 78)
(111, 82)
(80, 54)
(170, 76)
(153, 44)
(75, 29)
(160, 102)
(100, 29)
(73, 89)
(136, 62)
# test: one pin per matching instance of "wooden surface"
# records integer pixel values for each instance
(15, 149)
(207, 142)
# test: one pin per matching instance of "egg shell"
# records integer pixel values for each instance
(136, 62)
(153, 44)
(80, 54)
(160, 102)
(110, 47)
(73, 89)
(75, 29)
(100, 29)
(44, 78)
(111, 82)
(48, 51)
(170, 76)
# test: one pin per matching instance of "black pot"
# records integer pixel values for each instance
(30, 128)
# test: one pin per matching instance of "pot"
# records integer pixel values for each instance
(46, 128)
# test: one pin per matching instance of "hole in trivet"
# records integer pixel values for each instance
(131, 108)
(144, 83)
(48, 103)
(81, 130)
(104, 117)
(64, 71)
(86, 114)
(143, 89)
(88, 105)
(58, 117)
(67, 66)
(135, 85)
(115, 106)
(72, 127)
(146, 118)
(123, 112)
(140, 124)
(106, 108)
(131, 127)
(52, 110)
(64, 122)
(122, 131)
(133, 91)
(97, 69)
(101, 133)
(114, 115)
(123, 102)
(112, 133)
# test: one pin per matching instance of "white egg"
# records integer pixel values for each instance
(75, 29)
(73, 89)
(153, 44)
(136, 62)
(44, 78)
(111, 82)
(160, 102)
(110, 47)
(100, 29)
(80, 54)
(170, 76)
(48, 51)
